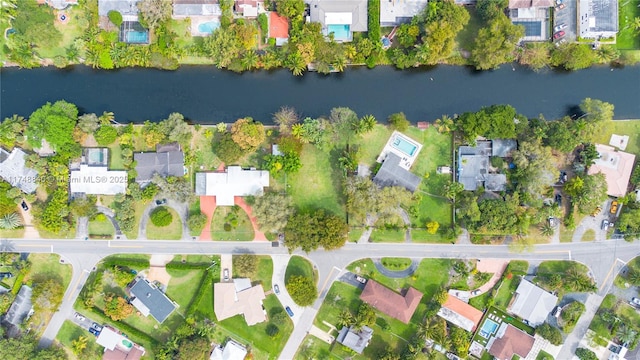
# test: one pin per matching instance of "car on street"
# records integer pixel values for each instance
(276, 289)
(24, 205)
(558, 35)
(360, 279)
(225, 274)
(80, 317)
(161, 202)
(5, 275)
(614, 207)
(605, 225)
(635, 302)
(556, 29)
(94, 331)
(559, 7)
(289, 311)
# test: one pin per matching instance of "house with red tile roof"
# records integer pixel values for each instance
(460, 314)
(511, 341)
(278, 28)
(389, 302)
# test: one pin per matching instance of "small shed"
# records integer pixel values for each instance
(423, 125)
(444, 170)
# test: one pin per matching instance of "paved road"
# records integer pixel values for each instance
(83, 255)
(571, 342)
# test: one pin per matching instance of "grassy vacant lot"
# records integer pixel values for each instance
(623, 127)
(183, 286)
(70, 332)
(172, 231)
(622, 310)
(12, 234)
(628, 38)
(48, 265)
(317, 184)
(101, 228)
(301, 267)
(243, 232)
(205, 159)
(262, 345)
(505, 292)
(390, 236)
(115, 157)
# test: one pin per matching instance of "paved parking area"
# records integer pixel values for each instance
(568, 16)
(226, 262)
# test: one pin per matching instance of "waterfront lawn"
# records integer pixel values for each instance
(317, 184)
(71, 30)
(390, 236)
(101, 229)
(262, 345)
(630, 128)
(372, 143)
(171, 232)
(242, 232)
(467, 36)
(205, 159)
(299, 266)
(70, 332)
(628, 38)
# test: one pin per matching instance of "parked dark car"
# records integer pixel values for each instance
(289, 311)
(24, 205)
(559, 200)
(5, 275)
(96, 326)
(276, 289)
(94, 331)
(161, 202)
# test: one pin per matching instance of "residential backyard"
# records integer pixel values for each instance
(70, 332)
(623, 127)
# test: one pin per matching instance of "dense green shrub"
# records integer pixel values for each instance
(115, 17)
(585, 354)
(106, 135)
(161, 217)
(264, 25)
(130, 263)
(302, 290)
(205, 283)
(196, 222)
(550, 333)
(373, 29)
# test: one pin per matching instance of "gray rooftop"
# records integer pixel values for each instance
(124, 7)
(20, 308)
(473, 164)
(163, 163)
(159, 305)
(195, 7)
(358, 9)
(598, 18)
(392, 174)
(355, 340)
(14, 171)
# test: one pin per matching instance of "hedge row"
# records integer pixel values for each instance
(131, 263)
(134, 334)
(18, 283)
(178, 265)
(373, 29)
(206, 281)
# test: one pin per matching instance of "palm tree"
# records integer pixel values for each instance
(346, 318)
(626, 334)
(547, 229)
(636, 23)
(445, 124)
(250, 60)
(367, 123)
(72, 54)
(340, 63)
(10, 221)
(106, 118)
(285, 118)
(633, 276)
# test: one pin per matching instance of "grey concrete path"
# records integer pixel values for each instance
(571, 342)
(112, 217)
(280, 263)
(82, 228)
(401, 274)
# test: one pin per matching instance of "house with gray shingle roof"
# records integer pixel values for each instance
(340, 17)
(13, 170)
(168, 160)
(149, 300)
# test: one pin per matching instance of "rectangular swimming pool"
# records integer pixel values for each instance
(340, 32)
(488, 328)
(137, 37)
(403, 145)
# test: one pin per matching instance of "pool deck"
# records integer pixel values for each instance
(197, 20)
(407, 160)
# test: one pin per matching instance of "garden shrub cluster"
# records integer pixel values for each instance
(161, 217)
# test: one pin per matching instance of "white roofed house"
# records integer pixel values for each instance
(597, 19)
(13, 170)
(234, 181)
(396, 12)
(533, 15)
(532, 303)
(92, 177)
(339, 17)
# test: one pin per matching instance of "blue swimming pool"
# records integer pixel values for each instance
(488, 328)
(137, 37)
(340, 32)
(208, 27)
(403, 145)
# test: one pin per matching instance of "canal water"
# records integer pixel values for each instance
(206, 95)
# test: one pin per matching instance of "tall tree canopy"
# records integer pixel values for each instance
(310, 231)
(54, 123)
(33, 23)
(496, 43)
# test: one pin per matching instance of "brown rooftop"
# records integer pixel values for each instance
(390, 302)
(513, 341)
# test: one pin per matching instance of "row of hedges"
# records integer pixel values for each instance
(18, 283)
(206, 281)
(178, 265)
(124, 262)
(373, 29)
(134, 334)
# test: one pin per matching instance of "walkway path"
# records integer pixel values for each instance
(112, 217)
(208, 207)
(30, 231)
(258, 235)
(82, 228)
(396, 274)
(571, 342)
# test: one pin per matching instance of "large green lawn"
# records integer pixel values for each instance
(391, 236)
(48, 265)
(71, 30)
(623, 127)
(628, 38)
(101, 228)
(172, 231)
(183, 286)
(372, 143)
(317, 184)
(243, 232)
(299, 266)
(622, 310)
(70, 332)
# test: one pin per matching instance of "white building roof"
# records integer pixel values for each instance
(109, 338)
(397, 12)
(232, 351)
(235, 181)
(338, 18)
(98, 180)
(532, 303)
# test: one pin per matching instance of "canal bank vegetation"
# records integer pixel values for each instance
(443, 33)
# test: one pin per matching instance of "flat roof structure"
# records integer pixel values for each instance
(97, 180)
(389, 302)
(182, 8)
(619, 141)
(13, 170)
(232, 351)
(149, 300)
(248, 8)
(460, 314)
(230, 302)
(532, 303)
(597, 18)
(616, 166)
(117, 346)
(234, 181)
(396, 12)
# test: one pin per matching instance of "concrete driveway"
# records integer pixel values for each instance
(181, 208)
(280, 263)
(594, 223)
(226, 262)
